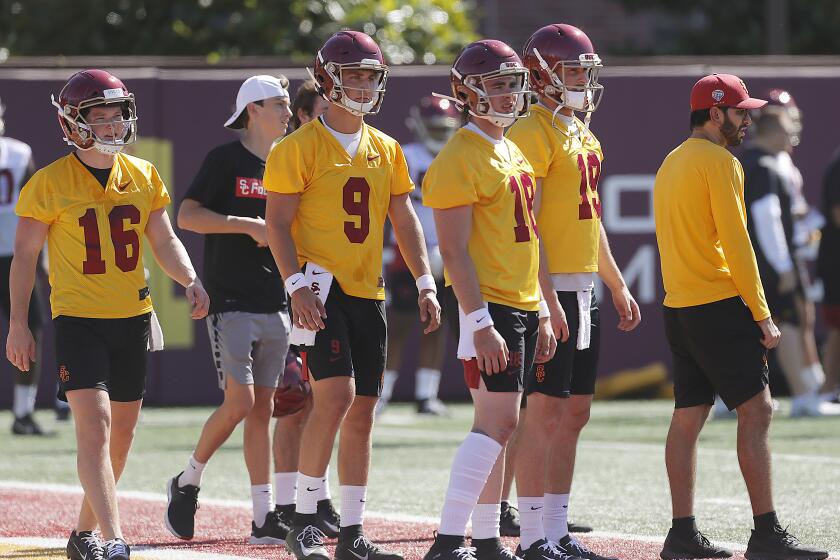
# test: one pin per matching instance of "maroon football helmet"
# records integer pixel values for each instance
(350, 50)
(778, 97)
(292, 391)
(91, 88)
(549, 52)
(433, 121)
(481, 63)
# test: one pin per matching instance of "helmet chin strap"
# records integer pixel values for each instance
(107, 149)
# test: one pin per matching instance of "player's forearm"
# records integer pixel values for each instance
(21, 283)
(412, 243)
(607, 268)
(464, 278)
(175, 262)
(544, 275)
(197, 218)
(283, 248)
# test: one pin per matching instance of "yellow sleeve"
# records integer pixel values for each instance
(284, 169)
(447, 184)
(726, 189)
(36, 200)
(533, 144)
(401, 182)
(161, 199)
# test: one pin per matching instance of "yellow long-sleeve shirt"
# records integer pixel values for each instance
(701, 229)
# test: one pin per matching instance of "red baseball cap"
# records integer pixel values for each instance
(723, 90)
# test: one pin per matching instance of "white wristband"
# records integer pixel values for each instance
(543, 313)
(479, 319)
(426, 282)
(295, 282)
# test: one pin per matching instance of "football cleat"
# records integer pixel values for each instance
(85, 545)
(574, 547)
(544, 550)
(450, 547)
(273, 530)
(492, 549)
(328, 519)
(180, 512)
(360, 548)
(307, 543)
(780, 545)
(509, 521)
(286, 513)
(681, 547)
(116, 549)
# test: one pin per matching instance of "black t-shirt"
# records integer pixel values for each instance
(100, 174)
(828, 261)
(239, 275)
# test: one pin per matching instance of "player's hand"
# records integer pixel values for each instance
(199, 299)
(559, 324)
(258, 232)
(546, 342)
(491, 350)
(20, 346)
(627, 309)
(429, 310)
(770, 333)
(787, 282)
(307, 309)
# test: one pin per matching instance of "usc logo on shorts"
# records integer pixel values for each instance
(540, 373)
(63, 374)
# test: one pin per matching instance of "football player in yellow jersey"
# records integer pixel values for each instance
(93, 207)
(481, 188)
(717, 321)
(331, 185)
(567, 163)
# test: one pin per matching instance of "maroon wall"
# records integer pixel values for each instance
(643, 116)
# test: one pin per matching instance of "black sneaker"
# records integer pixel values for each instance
(286, 513)
(116, 549)
(180, 513)
(84, 545)
(509, 521)
(574, 547)
(328, 519)
(307, 543)
(544, 550)
(492, 549)
(780, 545)
(26, 426)
(575, 528)
(273, 530)
(450, 547)
(432, 407)
(360, 548)
(681, 547)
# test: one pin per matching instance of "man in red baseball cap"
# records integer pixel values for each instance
(717, 320)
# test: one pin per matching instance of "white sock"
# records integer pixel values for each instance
(192, 473)
(262, 502)
(324, 494)
(485, 521)
(285, 487)
(388, 381)
(353, 500)
(555, 516)
(530, 520)
(24, 400)
(426, 385)
(308, 489)
(472, 465)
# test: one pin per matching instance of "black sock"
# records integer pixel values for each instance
(766, 522)
(684, 525)
(487, 545)
(349, 533)
(303, 519)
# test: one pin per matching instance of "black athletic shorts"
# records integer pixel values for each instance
(570, 371)
(35, 320)
(106, 354)
(517, 327)
(353, 342)
(717, 350)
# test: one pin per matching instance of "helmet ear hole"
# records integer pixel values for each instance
(536, 77)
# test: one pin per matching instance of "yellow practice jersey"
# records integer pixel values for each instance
(701, 229)
(569, 162)
(95, 239)
(343, 201)
(471, 171)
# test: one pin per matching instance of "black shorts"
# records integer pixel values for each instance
(107, 354)
(717, 350)
(352, 344)
(517, 327)
(570, 371)
(35, 321)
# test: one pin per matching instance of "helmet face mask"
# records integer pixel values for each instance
(343, 53)
(584, 98)
(433, 122)
(86, 91)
